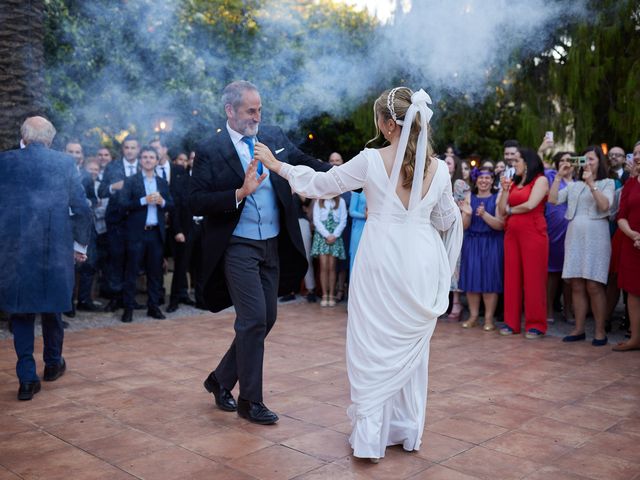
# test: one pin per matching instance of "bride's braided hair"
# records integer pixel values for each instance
(393, 104)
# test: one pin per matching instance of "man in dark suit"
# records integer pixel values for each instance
(86, 270)
(43, 210)
(252, 247)
(144, 199)
(110, 187)
(175, 242)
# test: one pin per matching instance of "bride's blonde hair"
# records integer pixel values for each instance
(397, 105)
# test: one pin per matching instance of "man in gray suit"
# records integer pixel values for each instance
(45, 223)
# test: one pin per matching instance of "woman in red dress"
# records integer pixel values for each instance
(526, 246)
(629, 266)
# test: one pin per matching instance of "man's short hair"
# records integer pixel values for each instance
(232, 93)
(149, 148)
(37, 130)
(511, 143)
(130, 138)
(159, 138)
(74, 141)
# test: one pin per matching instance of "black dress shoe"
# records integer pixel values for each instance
(311, 297)
(28, 390)
(55, 372)
(288, 298)
(87, 307)
(187, 301)
(127, 316)
(224, 399)
(172, 307)
(256, 412)
(113, 305)
(71, 313)
(155, 312)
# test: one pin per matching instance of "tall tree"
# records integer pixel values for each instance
(21, 66)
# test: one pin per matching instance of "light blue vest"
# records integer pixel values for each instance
(260, 218)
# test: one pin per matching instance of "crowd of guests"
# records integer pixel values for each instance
(141, 217)
(544, 231)
(549, 231)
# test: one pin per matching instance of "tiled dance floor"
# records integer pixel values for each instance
(132, 405)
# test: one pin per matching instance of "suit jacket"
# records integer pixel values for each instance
(43, 209)
(136, 214)
(113, 172)
(217, 173)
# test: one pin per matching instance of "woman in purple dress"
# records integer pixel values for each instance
(556, 230)
(482, 250)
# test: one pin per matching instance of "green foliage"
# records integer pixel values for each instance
(115, 66)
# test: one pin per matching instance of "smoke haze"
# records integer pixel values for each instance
(442, 46)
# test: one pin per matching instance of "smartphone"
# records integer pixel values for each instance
(629, 157)
(509, 172)
(578, 161)
(548, 135)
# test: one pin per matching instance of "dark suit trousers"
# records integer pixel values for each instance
(23, 339)
(146, 251)
(116, 236)
(179, 280)
(194, 260)
(252, 272)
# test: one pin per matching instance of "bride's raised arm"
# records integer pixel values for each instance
(309, 183)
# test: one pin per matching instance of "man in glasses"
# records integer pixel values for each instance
(617, 161)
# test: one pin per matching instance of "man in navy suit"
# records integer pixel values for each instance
(252, 244)
(145, 198)
(43, 211)
(111, 186)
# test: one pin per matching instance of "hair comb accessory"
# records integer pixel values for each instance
(391, 98)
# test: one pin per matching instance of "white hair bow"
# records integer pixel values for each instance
(419, 101)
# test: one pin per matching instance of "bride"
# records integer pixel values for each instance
(402, 270)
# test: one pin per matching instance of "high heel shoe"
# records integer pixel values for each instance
(331, 302)
(456, 312)
(489, 326)
(325, 301)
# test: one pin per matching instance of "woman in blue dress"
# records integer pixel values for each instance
(358, 214)
(482, 254)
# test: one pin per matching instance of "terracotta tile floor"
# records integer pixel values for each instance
(132, 405)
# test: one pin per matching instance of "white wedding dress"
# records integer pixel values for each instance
(399, 287)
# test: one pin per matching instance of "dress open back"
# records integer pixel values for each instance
(399, 287)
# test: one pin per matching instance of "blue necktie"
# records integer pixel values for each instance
(249, 142)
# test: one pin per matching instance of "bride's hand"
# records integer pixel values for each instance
(263, 154)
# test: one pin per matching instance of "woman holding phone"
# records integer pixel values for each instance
(588, 201)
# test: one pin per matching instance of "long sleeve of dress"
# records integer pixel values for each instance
(309, 183)
(446, 218)
(341, 212)
(317, 222)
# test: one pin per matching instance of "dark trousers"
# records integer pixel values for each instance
(145, 252)
(252, 272)
(116, 236)
(23, 339)
(86, 271)
(179, 280)
(194, 260)
(102, 264)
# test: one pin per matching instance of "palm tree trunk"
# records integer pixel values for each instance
(21, 66)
